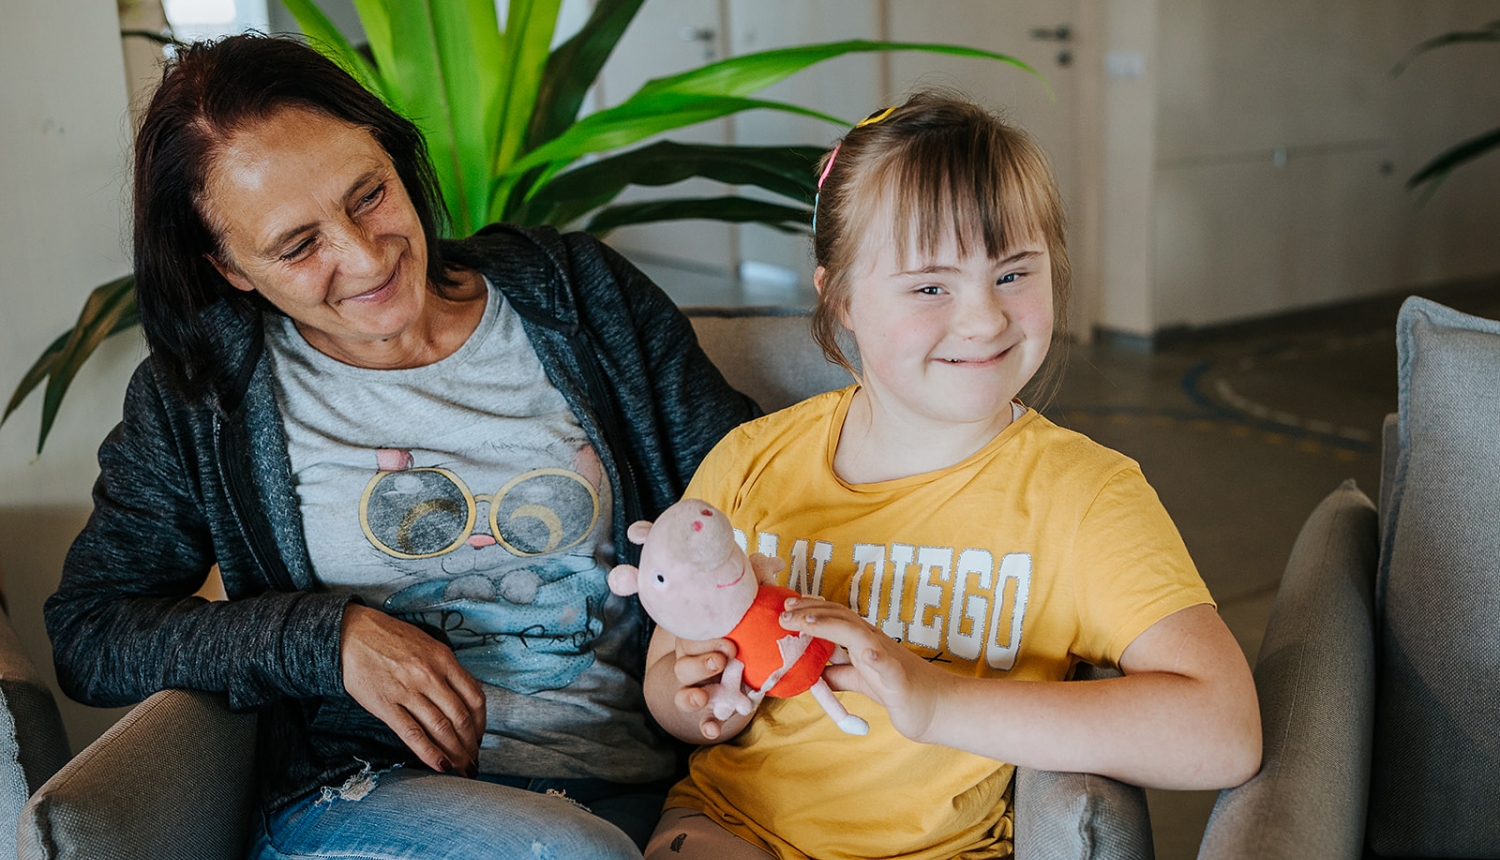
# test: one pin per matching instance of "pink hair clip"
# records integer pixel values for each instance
(873, 118)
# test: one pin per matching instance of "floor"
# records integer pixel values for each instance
(1241, 430)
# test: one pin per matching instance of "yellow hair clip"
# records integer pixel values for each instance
(875, 117)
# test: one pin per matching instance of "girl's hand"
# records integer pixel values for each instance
(699, 667)
(414, 684)
(682, 677)
(908, 687)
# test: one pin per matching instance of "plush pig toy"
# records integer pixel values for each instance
(698, 584)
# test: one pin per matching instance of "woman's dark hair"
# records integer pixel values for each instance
(207, 93)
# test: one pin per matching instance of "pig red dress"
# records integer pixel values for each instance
(759, 639)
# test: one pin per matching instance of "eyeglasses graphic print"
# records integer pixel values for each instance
(427, 512)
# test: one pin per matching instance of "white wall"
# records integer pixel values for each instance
(63, 133)
(1284, 143)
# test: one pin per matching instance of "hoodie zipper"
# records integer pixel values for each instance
(231, 471)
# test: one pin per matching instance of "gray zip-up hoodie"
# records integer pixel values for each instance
(185, 484)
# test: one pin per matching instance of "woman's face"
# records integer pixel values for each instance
(313, 216)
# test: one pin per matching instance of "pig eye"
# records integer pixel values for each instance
(658, 579)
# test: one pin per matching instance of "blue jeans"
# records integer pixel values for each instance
(411, 813)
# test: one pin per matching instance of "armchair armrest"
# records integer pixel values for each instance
(1316, 680)
(174, 780)
(1077, 816)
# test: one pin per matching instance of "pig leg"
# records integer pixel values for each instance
(846, 721)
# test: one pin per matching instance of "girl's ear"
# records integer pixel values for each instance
(820, 281)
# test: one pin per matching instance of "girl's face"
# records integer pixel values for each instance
(949, 337)
(314, 218)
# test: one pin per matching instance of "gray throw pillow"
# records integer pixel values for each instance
(1435, 781)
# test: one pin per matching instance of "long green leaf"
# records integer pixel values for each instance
(572, 68)
(640, 118)
(324, 36)
(784, 170)
(1438, 168)
(528, 41)
(472, 61)
(666, 103)
(788, 219)
(750, 73)
(39, 371)
(102, 312)
(1488, 33)
(50, 357)
(404, 37)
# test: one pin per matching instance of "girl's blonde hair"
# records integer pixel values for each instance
(939, 164)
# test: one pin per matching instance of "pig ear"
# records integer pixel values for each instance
(638, 531)
(624, 579)
(766, 568)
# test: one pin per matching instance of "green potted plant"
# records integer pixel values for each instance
(1436, 170)
(500, 111)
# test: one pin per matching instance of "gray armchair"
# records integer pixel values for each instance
(1379, 675)
(174, 780)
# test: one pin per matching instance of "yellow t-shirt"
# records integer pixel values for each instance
(1040, 550)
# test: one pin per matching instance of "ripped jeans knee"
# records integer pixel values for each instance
(412, 812)
(356, 787)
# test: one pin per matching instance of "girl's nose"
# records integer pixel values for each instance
(984, 317)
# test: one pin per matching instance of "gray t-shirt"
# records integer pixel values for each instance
(464, 497)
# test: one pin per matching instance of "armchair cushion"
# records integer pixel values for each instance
(172, 780)
(768, 353)
(1436, 772)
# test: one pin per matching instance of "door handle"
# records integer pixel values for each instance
(1060, 33)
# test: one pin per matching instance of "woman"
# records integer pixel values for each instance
(412, 461)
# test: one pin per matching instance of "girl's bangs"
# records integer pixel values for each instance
(989, 195)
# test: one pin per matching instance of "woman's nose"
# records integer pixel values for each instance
(360, 253)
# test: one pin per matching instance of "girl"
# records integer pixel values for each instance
(964, 546)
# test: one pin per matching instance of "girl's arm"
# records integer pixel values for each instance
(1184, 716)
(677, 670)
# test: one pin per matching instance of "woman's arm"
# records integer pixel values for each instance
(1184, 716)
(124, 623)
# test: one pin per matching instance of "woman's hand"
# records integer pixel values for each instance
(414, 684)
(681, 678)
(879, 667)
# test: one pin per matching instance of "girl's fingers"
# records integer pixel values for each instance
(847, 678)
(710, 728)
(691, 699)
(834, 622)
(701, 661)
